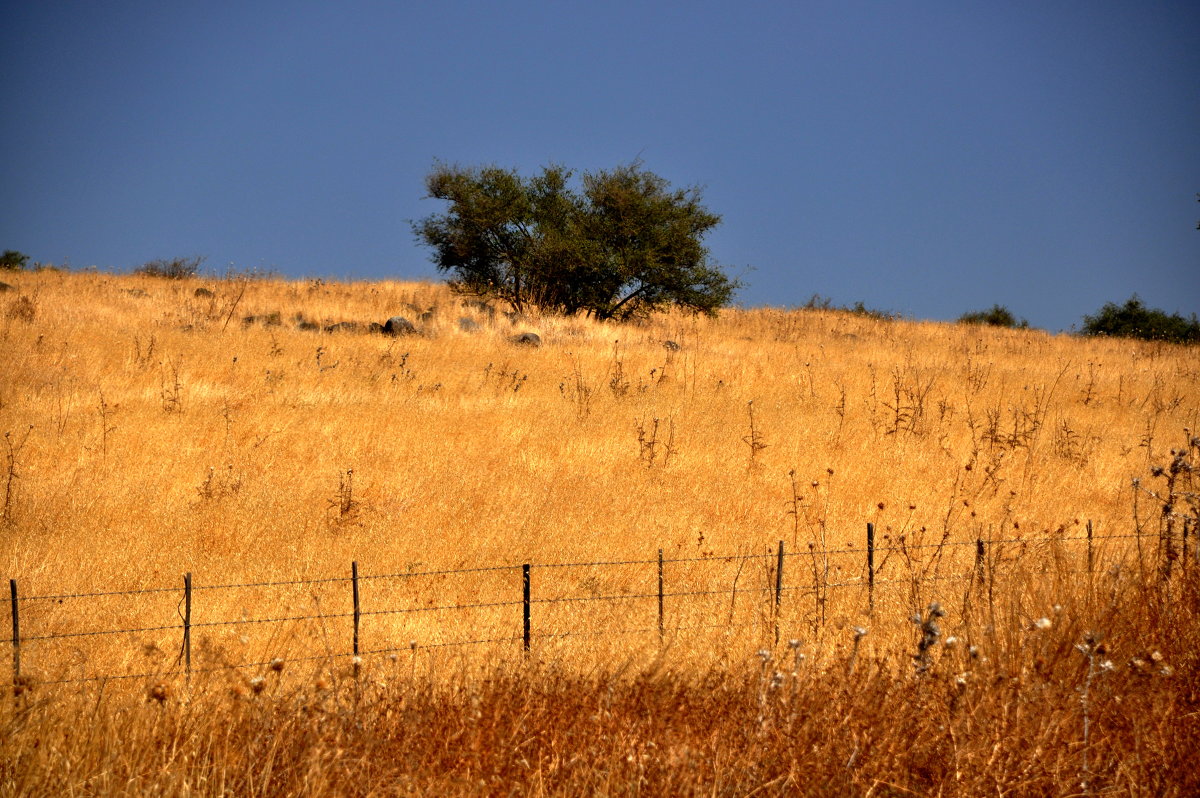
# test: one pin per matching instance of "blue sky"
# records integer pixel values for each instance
(927, 158)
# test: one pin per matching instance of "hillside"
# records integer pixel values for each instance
(155, 428)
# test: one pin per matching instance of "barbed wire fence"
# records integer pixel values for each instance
(661, 595)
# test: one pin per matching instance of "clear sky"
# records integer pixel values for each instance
(928, 158)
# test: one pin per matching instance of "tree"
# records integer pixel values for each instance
(13, 261)
(997, 316)
(1135, 320)
(622, 244)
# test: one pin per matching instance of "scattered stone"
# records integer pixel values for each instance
(203, 293)
(305, 324)
(528, 339)
(344, 327)
(468, 325)
(670, 346)
(398, 325)
(266, 319)
(374, 327)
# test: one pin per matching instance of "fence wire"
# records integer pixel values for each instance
(871, 580)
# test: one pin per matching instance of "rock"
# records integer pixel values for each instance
(527, 339)
(670, 346)
(398, 325)
(468, 325)
(344, 327)
(374, 327)
(304, 324)
(6, 287)
(136, 292)
(266, 319)
(203, 293)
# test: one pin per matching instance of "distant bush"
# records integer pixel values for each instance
(13, 261)
(818, 302)
(1135, 320)
(171, 269)
(252, 273)
(997, 316)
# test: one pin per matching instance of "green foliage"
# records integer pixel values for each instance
(1135, 320)
(171, 269)
(622, 244)
(818, 302)
(13, 261)
(996, 316)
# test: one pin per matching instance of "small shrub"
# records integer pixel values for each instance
(171, 269)
(1135, 320)
(13, 261)
(997, 316)
(818, 302)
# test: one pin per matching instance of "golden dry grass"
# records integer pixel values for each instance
(152, 433)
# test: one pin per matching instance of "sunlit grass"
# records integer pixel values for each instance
(152, 433)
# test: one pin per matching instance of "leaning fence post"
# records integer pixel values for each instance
(16, 633)
(525, 613)
(778, 588)
(187, 623)
(871, 567)
(660, 596)
(357, 615)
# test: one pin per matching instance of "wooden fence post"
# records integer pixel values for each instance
(660, 597)
(871, 568)
(980, 560)
(357, 614)
(187, 624)
(778, 588)
(525, 613)
(16, 633)
(1090, 559)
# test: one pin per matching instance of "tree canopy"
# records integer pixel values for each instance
(620, 244)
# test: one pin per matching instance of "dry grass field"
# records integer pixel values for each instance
(151, 430)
